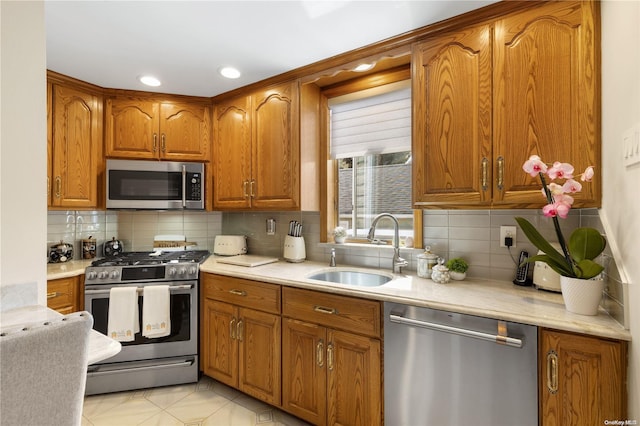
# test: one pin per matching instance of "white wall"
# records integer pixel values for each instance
(620, 212)
(23, 152)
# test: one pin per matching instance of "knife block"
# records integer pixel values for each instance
(294, 249)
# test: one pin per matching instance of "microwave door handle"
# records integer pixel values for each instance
(184, 186)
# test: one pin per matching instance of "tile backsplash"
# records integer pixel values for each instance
(471, 234)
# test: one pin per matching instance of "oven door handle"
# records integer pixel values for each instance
(141, 289)
(149, 367)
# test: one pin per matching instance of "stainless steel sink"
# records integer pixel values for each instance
(352, 277)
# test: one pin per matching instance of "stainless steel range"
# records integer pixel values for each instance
(147, 362)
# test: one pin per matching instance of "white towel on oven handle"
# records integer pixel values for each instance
(156, 316)
(123, 321)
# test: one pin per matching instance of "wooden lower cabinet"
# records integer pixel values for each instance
(582, 379)
(240, 346)
(331, 376)
(65, 295)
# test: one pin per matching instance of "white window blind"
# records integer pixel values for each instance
(379, 124)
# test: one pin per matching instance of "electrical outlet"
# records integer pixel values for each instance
(507, 231)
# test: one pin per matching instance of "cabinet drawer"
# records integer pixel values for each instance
(342, 312)
(241, 292)
(61, 293)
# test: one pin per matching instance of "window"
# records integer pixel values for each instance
(370, 139)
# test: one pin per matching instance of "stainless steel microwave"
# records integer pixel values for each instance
(155, 185)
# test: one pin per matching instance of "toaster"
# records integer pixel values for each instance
(230, 245)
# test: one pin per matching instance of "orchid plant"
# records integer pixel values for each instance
(585, 244)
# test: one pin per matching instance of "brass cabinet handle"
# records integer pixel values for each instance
(252, 186)
(155, 142)
(58, 186)
(323, 310)
(48, 186)
(240, 330)
(244, 188)
(238, 292)
(163, 143)
(552, 371)
(500, 172)
(330, 356)
(232, 328)
(53, 294)
(320, 353)
(485, 173)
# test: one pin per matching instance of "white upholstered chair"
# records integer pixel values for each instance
(43, 369)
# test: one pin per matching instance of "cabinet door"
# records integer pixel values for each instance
(232, 154)
(63, 295)
(76, 147)
(582, 379)
(132, 128)
(184, 131)
(547, 96)
(354, 392)
(275, 165)
(259, 351)
(219, 343)
(304, 374)
(452, 119)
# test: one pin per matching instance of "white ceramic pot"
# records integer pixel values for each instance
(458, 276)
(339, 240)
(581, 296)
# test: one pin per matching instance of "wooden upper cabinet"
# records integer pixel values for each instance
(275, 163)
(147, 129)
(185, 131)
(582, 379)
(256, 150)
(546, 97)
(75, 146)
(489, 96)
(452, 132)
(232, 154)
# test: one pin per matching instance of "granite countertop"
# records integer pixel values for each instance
(68, 269)
(482, 297)
(100, 346)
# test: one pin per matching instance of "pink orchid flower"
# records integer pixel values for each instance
(560, 171)
(587, 175)
(555, 189)
(571, 186)
(534, 165)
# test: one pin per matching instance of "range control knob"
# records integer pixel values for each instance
(102, 275)
(114, 274)
(92, 275)
(193, 270)
(182, 271)
(171, 272)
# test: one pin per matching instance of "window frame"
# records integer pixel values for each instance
(329, 167)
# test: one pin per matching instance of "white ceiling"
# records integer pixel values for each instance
(184, 43)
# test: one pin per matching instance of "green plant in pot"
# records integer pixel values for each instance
(457, 268)
(576, 264)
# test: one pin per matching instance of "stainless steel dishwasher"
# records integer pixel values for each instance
(443, 368)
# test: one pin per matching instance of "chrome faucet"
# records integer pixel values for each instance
(398, 263)
(332, 260)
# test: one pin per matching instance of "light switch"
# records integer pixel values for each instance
(631, 146)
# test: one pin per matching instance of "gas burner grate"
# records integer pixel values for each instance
(145, 258)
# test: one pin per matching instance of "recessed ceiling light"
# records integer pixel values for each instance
(229, 72)
(149, 80)
(364, 67)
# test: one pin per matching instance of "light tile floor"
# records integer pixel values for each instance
(206, 403)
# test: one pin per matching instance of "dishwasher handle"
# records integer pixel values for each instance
(497, 338)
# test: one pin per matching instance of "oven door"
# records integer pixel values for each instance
(183, 339)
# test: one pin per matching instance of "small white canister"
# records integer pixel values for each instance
(440, 273)
(426, 262)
